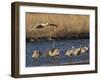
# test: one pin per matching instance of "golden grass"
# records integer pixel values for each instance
(67, 24)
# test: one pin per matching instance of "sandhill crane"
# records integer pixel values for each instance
(70, 52)
(54, 52)
(84, 49)
(42, 25)
(80, 50)
(36, 54)
(77, 51)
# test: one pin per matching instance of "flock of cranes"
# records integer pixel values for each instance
(56, 52)
(76, 51)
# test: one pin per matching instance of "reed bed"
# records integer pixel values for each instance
(68, 25)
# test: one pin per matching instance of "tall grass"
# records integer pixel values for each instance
(67, 25)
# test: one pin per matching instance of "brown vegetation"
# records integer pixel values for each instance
(68, 25)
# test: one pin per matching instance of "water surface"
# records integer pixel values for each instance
(63, 45)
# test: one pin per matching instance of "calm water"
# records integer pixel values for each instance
(63, 45)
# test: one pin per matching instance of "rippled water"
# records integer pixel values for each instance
(63, 45)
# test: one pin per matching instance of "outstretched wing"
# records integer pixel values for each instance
(53, 25)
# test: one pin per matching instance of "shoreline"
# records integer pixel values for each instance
(57, 39)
